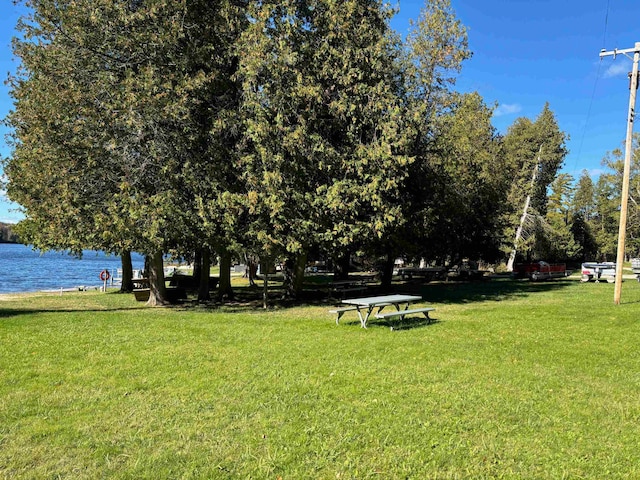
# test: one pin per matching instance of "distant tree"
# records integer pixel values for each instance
(562, 245)
(584, 197)
(7, 235)
(583, 211)
(583, 235)
(614, 162)
(465, 199)
(607, 217)
(532, 147)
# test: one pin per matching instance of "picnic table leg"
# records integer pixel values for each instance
(363, 320)
(406, 307)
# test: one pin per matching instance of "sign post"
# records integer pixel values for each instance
(104, 276)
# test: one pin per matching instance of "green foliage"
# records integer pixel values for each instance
(584, 197)
(607, 217)
(324, 158)
(463, 201)
(120, 105)
(271, 128)
(436, 47)
(561, 243)
(433, 55)
(609, 198)
(535, 152)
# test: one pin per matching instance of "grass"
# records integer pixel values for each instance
(513, 380)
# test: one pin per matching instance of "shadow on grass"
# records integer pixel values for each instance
(495, 289)
(15, 312)
(437, 292)
(249, 299)
(408, 323)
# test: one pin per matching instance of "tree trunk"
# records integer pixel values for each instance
(265, 267)
(298, 272)
(386, 273)
(197, 265)
(158, 291)
(203, 289)
(341, 270)
(127, 273)
(265, 290)
(294, 275)
(224, 285)
(252, 265)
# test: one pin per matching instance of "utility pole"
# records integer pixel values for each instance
(627, 163)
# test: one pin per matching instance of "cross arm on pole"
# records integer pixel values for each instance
(624, 51)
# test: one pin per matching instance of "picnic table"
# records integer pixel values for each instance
(140, 282)
(366, 305)
(345, 286)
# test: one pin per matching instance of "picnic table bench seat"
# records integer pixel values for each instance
(404, 313)
(340, 311)
(345, 286)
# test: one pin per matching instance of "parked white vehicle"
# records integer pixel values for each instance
(598, 271)
(635, 266)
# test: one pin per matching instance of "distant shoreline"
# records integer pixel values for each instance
(4, 296)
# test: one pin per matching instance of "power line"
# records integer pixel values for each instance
(586, 123)
(606, 22)
(593, 93)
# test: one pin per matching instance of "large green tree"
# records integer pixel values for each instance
(559, 243)
(325, 139)
(463, 197)
(607, 217)
(60, 171)
(432, 57)
(113, 101)
(583, 211)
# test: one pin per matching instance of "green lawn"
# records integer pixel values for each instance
(513, 380)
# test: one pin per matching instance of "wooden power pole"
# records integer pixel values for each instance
(627, 164)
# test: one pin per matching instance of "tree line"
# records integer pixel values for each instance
(7, 235)
(281, 130)
(583, 216)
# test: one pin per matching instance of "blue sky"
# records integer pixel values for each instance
(525, 53)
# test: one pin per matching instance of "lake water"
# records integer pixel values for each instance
(25, 270)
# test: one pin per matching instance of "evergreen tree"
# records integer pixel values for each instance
(325, 143)
(468, 185)
(535, 151)
(614, 162)
(108, 123)
(559, 218)
(433, 55)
